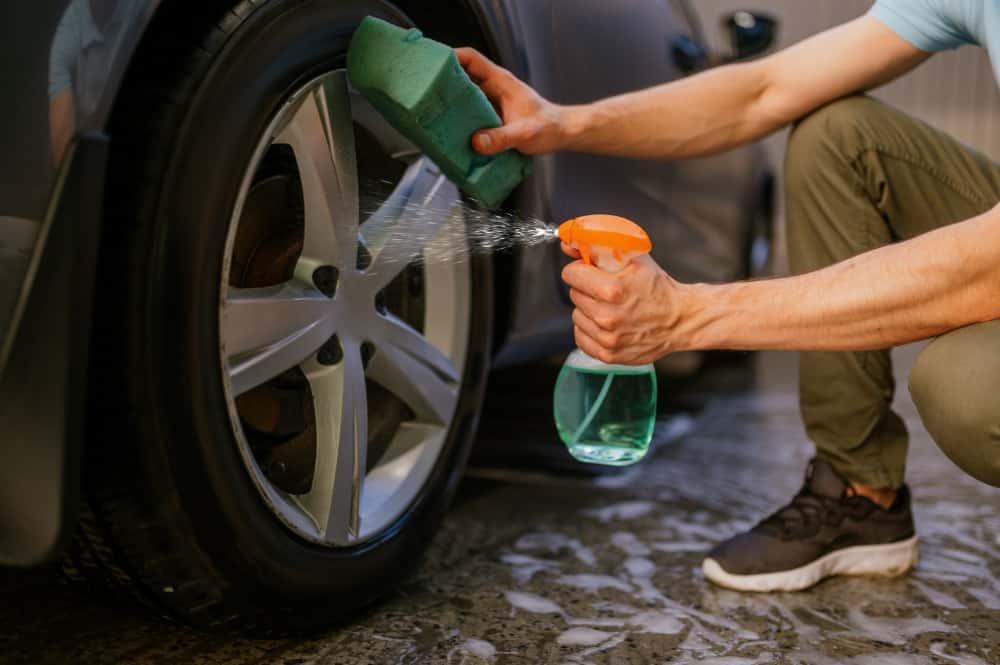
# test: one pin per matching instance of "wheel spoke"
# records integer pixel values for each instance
(340, 403)
(391, 331)
(329, 320)
(269, 330)
(407, 222)
(321, 134)
(430, 395)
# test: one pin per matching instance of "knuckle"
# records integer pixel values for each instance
(612, 293)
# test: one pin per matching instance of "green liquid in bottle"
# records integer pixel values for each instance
(605, 413)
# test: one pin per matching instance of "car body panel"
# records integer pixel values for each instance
(43, 390)
(51, 198)
(34, 34)
(622, 46)
(695, 210)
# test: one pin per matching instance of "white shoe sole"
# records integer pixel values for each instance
(881, 560)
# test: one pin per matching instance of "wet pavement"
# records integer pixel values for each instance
(538, 567)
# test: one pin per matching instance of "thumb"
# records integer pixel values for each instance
(492, 141)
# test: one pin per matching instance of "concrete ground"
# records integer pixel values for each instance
(533, 567)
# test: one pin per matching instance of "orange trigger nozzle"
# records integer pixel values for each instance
(610, 231)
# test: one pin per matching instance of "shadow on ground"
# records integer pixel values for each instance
(536, 567)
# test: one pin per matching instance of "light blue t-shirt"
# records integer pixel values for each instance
(939, 25)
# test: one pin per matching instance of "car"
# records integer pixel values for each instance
(226, 387)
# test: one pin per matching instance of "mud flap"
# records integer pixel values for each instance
(43, 370)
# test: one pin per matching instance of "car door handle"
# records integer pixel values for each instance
(687, 54)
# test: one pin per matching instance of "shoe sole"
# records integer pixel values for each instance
(889, 560)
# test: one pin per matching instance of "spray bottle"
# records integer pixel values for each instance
(605, 413)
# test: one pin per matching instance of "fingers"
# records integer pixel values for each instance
(588, 345)
(497, 84)
(493, 79)
(571, 252)
(593, 282)
(609, 339)
(604, 316)
(476, 65)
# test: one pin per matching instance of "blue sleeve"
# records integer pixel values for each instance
(65, 51)
(929, 25)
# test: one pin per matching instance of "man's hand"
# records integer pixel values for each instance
(532, 124)
(627, 318)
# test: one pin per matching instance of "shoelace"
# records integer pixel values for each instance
(804, 512)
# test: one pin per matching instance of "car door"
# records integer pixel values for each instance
(578, 51)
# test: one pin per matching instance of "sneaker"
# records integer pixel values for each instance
(826, 530)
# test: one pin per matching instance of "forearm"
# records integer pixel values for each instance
(728, 106)
(62, 118)
(913, 290)
(704, 114)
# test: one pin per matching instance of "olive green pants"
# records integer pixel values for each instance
(859, 175)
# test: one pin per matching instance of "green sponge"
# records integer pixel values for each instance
(420, 88)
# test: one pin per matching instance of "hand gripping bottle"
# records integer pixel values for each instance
(605, 413)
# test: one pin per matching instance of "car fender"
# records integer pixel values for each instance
(55, 198)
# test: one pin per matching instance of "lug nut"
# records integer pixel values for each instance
(326, 278)
(364, 257)
(367, 352)
(331, 353)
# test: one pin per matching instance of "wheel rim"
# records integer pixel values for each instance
(319, 315)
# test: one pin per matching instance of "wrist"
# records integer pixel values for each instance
(574, 122)
(702, 320)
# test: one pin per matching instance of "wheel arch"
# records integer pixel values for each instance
(491, 32)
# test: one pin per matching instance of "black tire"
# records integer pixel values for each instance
(171, 513)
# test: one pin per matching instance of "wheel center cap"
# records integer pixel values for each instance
(353, 305)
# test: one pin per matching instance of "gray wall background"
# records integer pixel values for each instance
(955, 91)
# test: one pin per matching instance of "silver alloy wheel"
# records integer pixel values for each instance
(265, 332)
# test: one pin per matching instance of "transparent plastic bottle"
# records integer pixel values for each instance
(605, 414)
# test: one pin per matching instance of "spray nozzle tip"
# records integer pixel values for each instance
(565, 231)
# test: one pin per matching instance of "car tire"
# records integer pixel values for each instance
(179, 509)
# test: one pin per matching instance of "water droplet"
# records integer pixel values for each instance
(419, 225)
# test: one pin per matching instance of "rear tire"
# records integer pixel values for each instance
(173, 516)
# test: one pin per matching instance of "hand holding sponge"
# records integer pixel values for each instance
(420, 88)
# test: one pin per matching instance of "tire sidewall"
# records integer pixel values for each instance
(281, 46)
